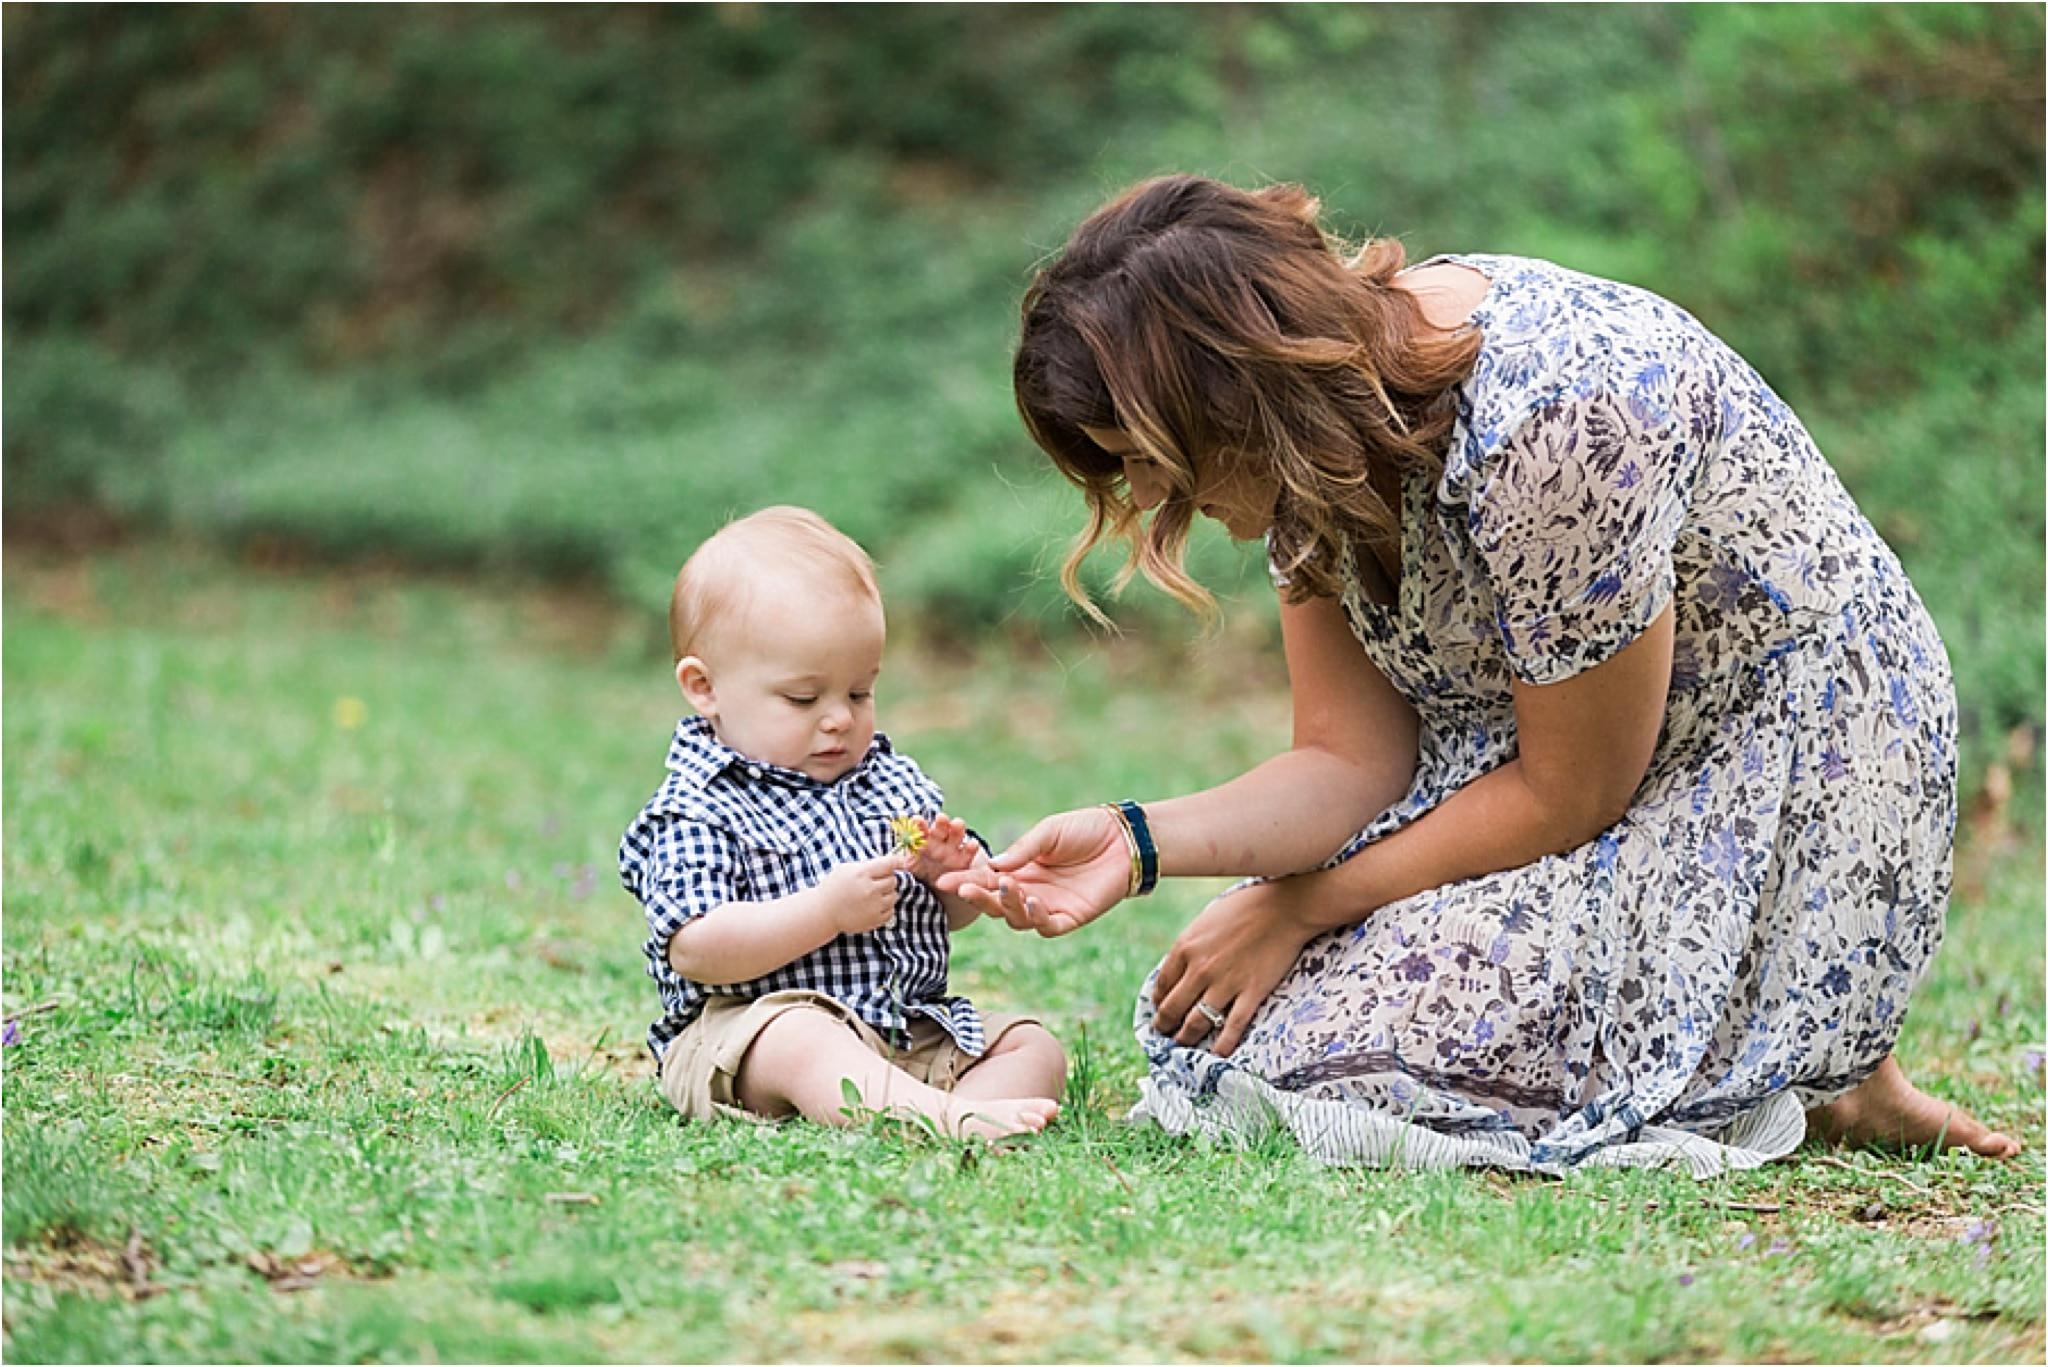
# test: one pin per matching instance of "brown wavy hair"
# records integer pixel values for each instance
(1218, 326)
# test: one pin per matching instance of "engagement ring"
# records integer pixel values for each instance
(1210, 1014)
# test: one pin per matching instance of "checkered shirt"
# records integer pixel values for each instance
(723, 828)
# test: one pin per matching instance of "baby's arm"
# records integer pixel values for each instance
(741, 941)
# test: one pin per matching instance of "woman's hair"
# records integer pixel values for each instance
(715, 583)
(1219, 327)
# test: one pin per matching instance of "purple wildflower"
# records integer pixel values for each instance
(12, 1035)
(1980, 1236)
(1685, 1279)
(2032, 1060)
(1746, 1241)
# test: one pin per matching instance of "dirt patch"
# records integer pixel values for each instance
(78, 1265)
(625, 1059)
(287, 1275)
(74, 529)
(62, 589)
(1033, 1322)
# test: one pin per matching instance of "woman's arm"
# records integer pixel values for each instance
(1353, 757)
(1584, 745)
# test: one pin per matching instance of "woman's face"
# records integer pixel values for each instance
(1241, 502)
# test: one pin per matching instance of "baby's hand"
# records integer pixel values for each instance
(944, 849)
(861, 896)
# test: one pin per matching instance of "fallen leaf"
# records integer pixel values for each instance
(135, 1262)
(2021, 745)
(1941, 1331)
(859, 1269)
(290, 1274)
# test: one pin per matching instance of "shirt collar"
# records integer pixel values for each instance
(697, 756)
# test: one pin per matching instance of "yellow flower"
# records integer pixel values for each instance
(349, 713)
(909, 833)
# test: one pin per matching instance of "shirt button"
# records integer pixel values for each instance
(753, 771)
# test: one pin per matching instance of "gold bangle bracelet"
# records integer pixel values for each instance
(1130, 843)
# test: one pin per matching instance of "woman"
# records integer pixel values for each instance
(1618, 818)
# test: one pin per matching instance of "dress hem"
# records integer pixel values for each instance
(1244, 1110)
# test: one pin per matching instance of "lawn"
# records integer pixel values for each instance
(330, 1014)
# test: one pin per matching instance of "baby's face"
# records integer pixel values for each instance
(793, 684)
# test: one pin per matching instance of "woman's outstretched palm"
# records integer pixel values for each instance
(1066, 871)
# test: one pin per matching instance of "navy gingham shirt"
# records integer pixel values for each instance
(725, 828)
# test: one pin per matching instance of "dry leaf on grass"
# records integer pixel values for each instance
(291, 1274)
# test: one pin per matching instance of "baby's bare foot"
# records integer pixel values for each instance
(1886, 1110)
(989, 1118)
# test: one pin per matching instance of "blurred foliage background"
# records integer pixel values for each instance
(555, 290)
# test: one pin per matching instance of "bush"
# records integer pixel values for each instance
(557, 290)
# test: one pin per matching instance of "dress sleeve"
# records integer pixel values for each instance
(1574, 521)
(1280, 578)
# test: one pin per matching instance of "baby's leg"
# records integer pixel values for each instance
(1026, 1061)
(801, 1060)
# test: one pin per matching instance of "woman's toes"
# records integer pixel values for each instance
(1992, 1144)
(1888, 1111)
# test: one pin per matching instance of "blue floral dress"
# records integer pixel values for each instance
(1743, 943)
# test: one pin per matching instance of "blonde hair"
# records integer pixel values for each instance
(1220, 327)
(715, 580)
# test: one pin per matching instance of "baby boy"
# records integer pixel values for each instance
(795, 936)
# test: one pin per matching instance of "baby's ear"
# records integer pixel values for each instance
(695, 681)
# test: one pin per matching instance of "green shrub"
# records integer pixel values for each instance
(556, 290)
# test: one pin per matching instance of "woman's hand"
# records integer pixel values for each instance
(1229, 959)
(1065, 872)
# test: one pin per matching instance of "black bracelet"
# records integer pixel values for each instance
(1148, 853)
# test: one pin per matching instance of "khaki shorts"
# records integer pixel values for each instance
(701, 1066)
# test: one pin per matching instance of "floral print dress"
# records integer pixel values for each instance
(1742, 944)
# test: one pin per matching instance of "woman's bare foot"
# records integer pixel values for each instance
(989, 1118)
(1887, 1111)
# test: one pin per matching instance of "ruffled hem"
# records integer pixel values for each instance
(1244, 1109)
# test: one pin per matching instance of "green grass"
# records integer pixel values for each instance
(340, 1056)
